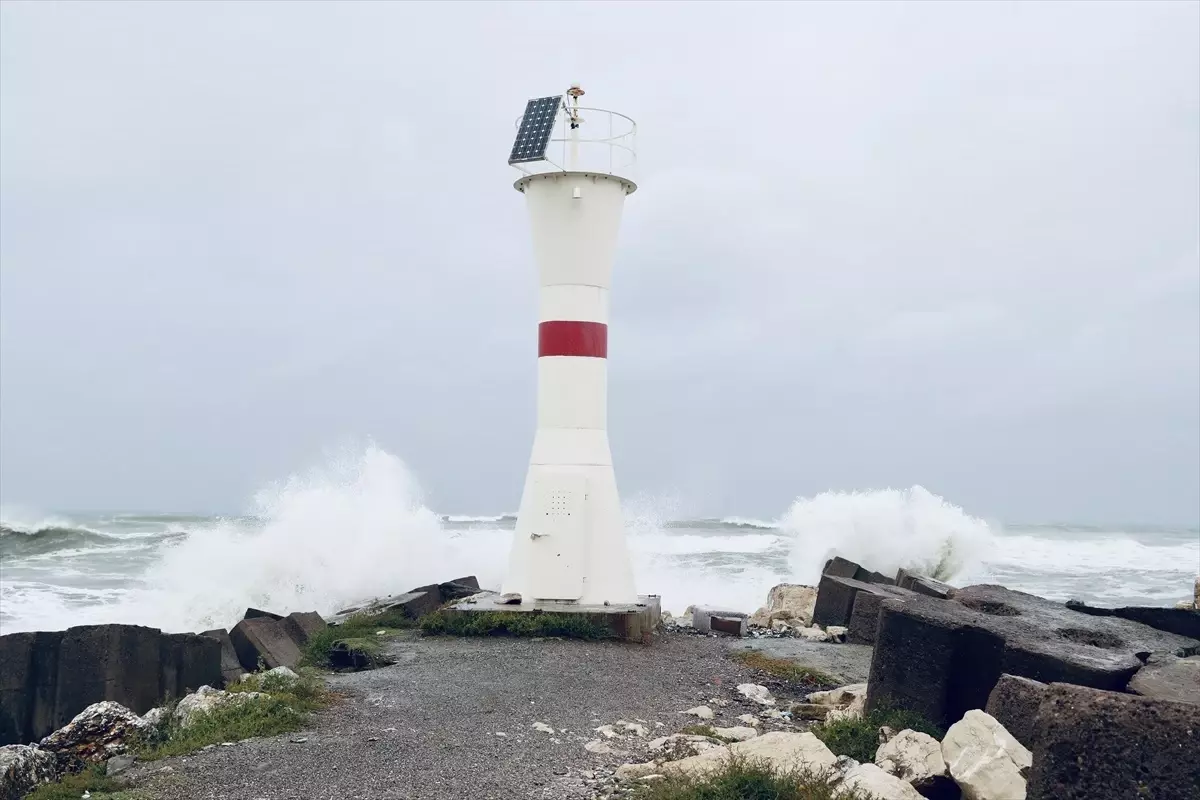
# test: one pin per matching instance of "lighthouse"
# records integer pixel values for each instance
(569, 547)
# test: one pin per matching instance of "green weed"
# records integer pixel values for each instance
(859, 738)
(72, 787)
(787, 670)
(740, 779)
(513, 623)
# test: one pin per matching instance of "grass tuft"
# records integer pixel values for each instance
(859, 738)
(72, 787)
(512, 623)
(284, 709)
(740, 779)
(784, 669)
(354, 644)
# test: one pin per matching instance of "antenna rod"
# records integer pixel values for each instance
(575, 93)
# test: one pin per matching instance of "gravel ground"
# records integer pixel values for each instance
(428, 728)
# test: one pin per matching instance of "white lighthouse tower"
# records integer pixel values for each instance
(569, 546)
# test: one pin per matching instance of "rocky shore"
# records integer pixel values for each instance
(1028, 699)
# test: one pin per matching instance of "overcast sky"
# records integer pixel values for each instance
(954, 245)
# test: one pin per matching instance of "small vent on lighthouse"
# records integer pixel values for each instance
(558, 504)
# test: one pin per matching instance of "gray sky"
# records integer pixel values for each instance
(955, 245)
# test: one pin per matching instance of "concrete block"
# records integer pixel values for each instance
(258, 613)
(731, 626)
(108, 662)
(864, 618)
(1014, 702)
(1180, 621)
(231, 667)
(263, 638)
(1166, 677)
(188, 661)
(1097, 745)
(702, 618)
(16, 680)
(459, 588)
(942, 658)
(301, 625)
(835, 599)
(840, 567)
(415, 605)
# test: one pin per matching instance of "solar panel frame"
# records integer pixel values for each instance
(537, 125)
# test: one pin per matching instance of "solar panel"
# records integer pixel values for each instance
(536, 126)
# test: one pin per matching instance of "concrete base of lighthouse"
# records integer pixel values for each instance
(634, 622)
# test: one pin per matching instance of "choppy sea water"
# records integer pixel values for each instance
(356, 528)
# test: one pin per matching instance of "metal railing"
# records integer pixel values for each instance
(605, 142)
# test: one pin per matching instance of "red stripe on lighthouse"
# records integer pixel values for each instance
(572, 338)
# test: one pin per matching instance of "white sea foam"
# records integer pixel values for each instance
(885, 530)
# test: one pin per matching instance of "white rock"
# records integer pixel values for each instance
(837, 632)
(635, 728)
(813, 634)
(842, 696)
(703, 712)
(23, 767)
(912, 756)
(206, 699)
(667, 618)
(780, 626)
(749, 719)
(599, 748)
(607, 731)
(853, 711)
(95, 734)
(756, 693)
(543, 727)
(870, 779)
(771, 713)
(984, 759)
(790, 601)
(155, 716)
(629, 772)
(284, 673)
(719, 702)
(980, 729)
(737, 734)
(782, 751)
(663, 741)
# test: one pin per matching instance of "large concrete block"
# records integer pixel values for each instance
(836, 595)
(1166, 677)
(108, 662)
(939, 663)
(258, 613)
(840, 567)
(1014, 702)
(458, 588)
(415, 605)
(1097, 745)
(302, 625)
(266, 639)
(1180, 621)
(16, 679)
(231, 667)
(189, 661)
(943, 657)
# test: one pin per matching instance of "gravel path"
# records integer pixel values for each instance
(428, 728)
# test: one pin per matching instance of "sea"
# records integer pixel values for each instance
(356, 527)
